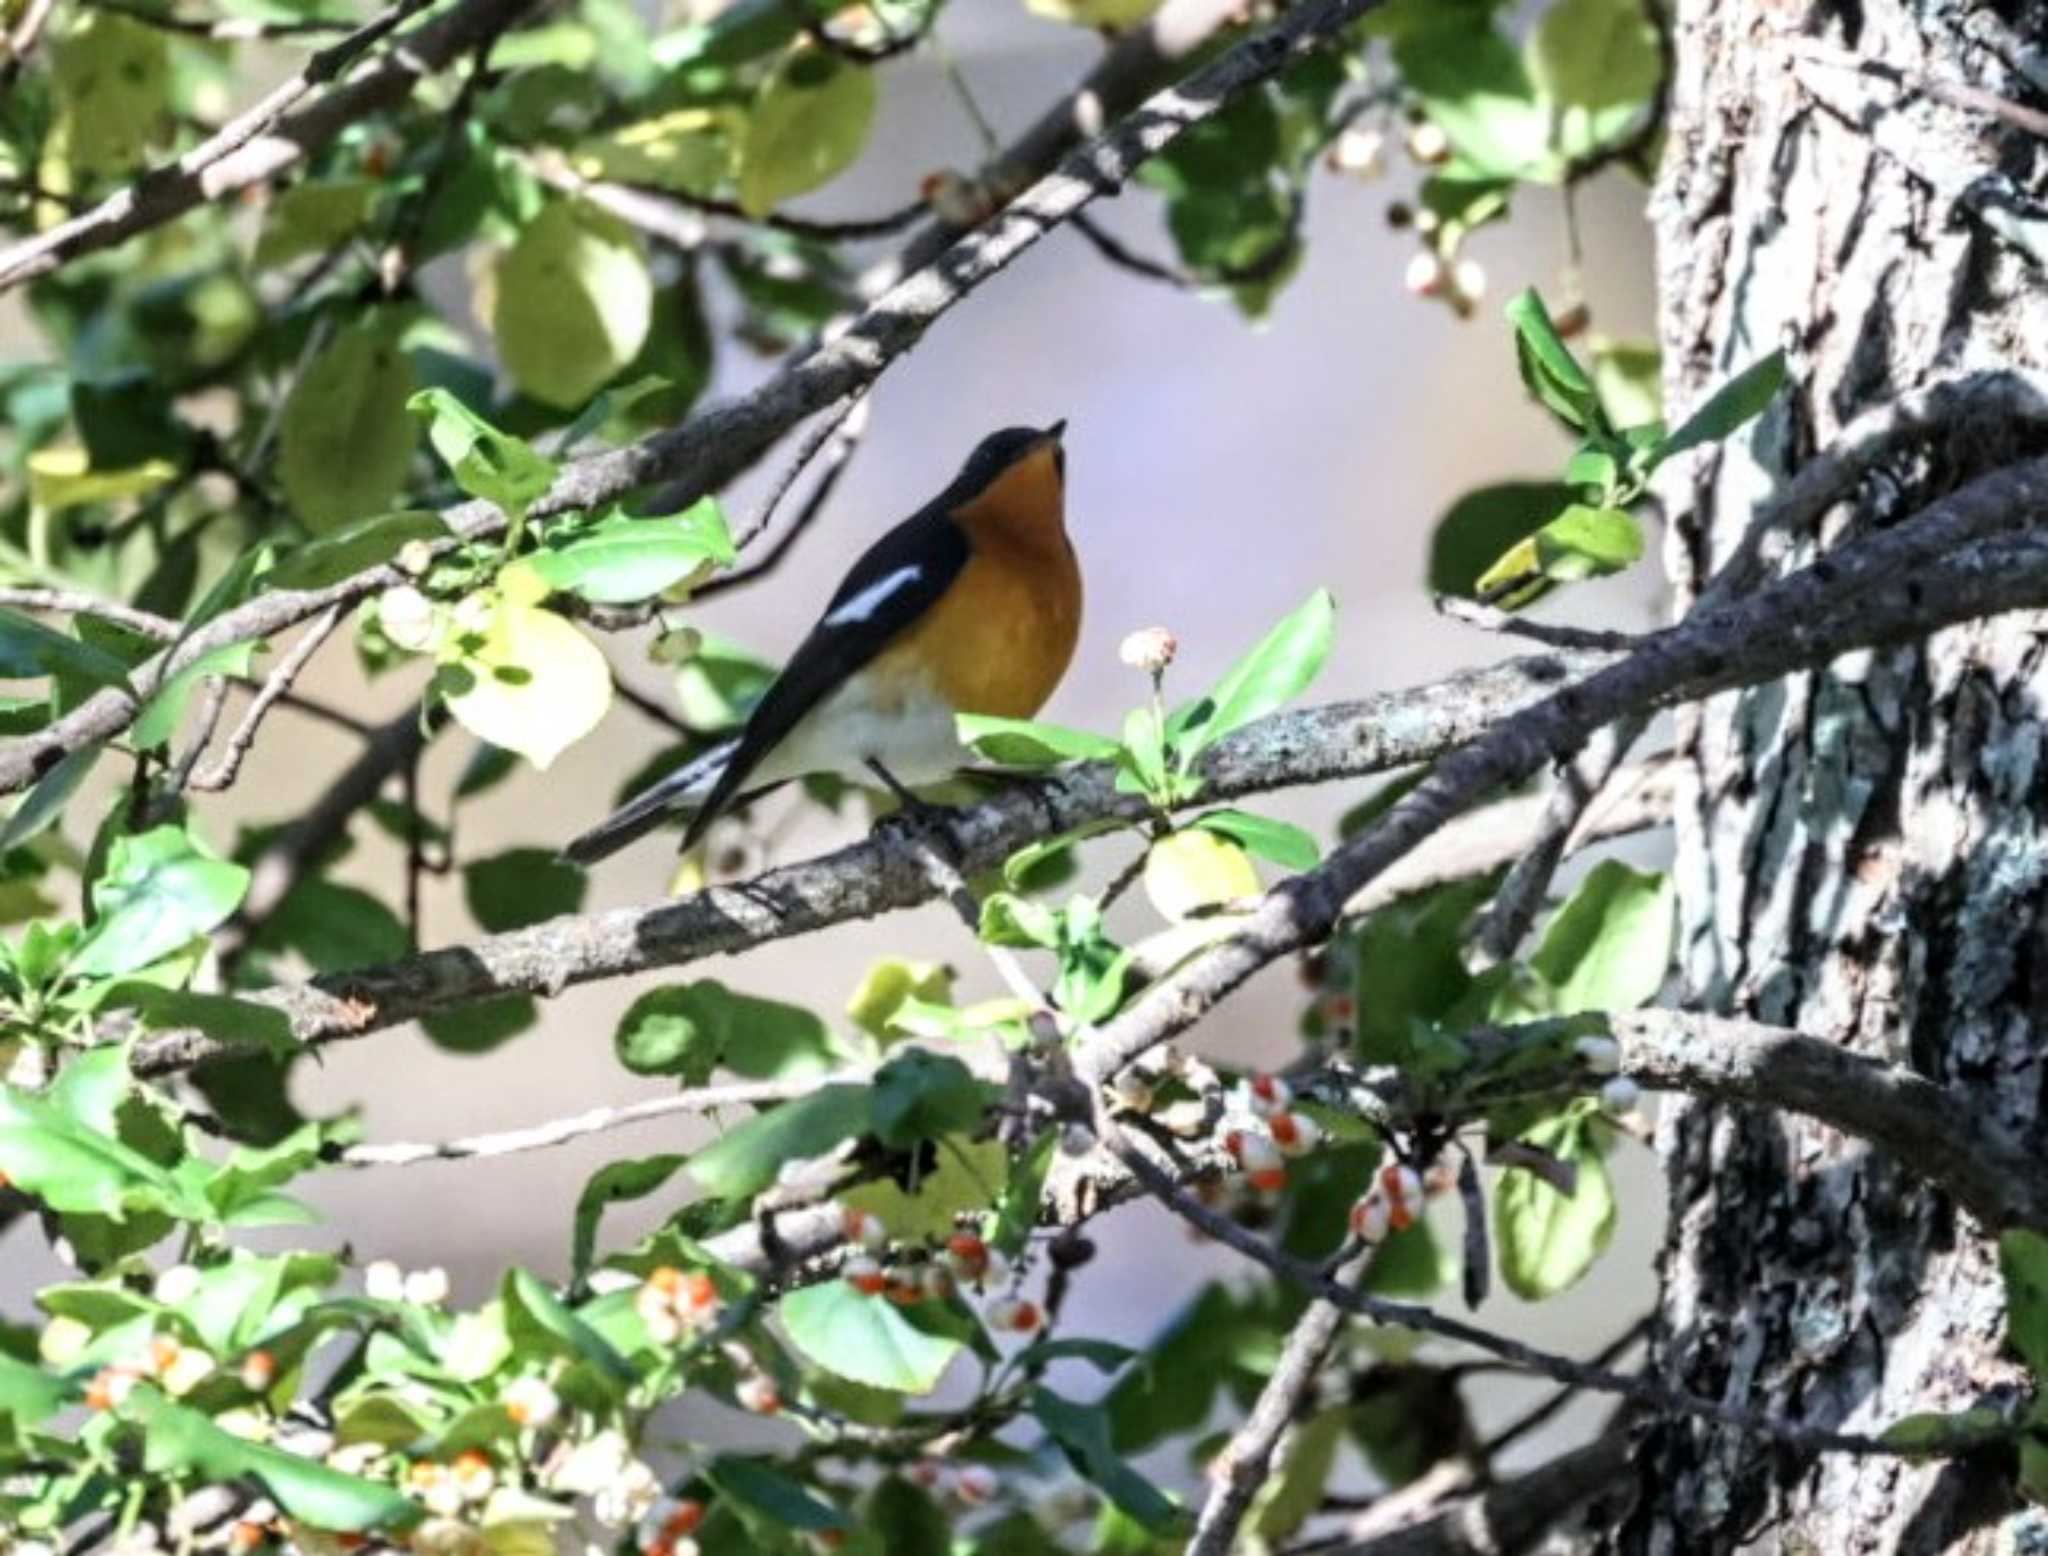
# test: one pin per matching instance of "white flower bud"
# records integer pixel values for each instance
(383, 1281)
(1428, 144)
(427, 1287)
(177, 1284)
(1371, 1220)
(1360, 153)
(531, 1401)
(1266, 1095)
(1425, 274)
(1470, 279)
(409, 619)
(976, 1484)
(1150, 649)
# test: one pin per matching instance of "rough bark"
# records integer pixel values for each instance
(1862, 852)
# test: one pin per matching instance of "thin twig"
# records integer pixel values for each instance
(841, 430)
(278, 131)
(1246, 1461)
(539, 1137)
(1491, 618)
(216, 701)
(21, 42)
(224, 772)
(1122, 255)
(1580, 782)
(237, 29)
(1310, 1277)
(72, 602)
(1956, 94)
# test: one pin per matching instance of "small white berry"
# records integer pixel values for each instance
(1360, 153)
(383, 1281)
(1428, 144)
(427, 1287)
(1425, 274)
(1150, 649)
(531, 1401)
(1601, 1055)
(1620, 1094)
(1371, 1220)
(1470, 279)
(976, 1484)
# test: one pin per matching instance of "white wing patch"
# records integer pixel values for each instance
(873, 597)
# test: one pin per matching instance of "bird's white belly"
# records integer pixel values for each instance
(908, 729)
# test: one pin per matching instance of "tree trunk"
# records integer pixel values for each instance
(1862, 853)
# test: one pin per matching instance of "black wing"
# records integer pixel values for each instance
(898, 579)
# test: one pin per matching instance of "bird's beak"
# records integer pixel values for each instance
(1057, 430)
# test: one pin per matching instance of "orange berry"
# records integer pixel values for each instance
(1268, 1180)
(689, 1513)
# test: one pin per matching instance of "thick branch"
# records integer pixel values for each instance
(1893, 587)
(881, 875)
(719, 441)
(1930, 1129)
(1512, 1516)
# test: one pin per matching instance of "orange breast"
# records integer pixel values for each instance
(1003, 636)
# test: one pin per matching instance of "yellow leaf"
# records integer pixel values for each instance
(1106, 15)
(1197, 869)
(964, 1180)
(64, 478)
(809, 124)
(573, 306)
(535, 685)
(888, 984)
(689, 150)
(113, 82)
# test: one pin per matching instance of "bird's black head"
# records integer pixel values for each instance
(999, 451)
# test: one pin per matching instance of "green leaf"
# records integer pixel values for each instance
(1597, 64)
(311, 218)
(1287, 845)
(1276, 671)
(162, 715)
(1082, 1431)
(610, 1185)
(344, 443)
(1547, 1240)
(336, 928)
(574, 303)
(2023, 1260)
(1473, 85)
(352, 549)
(886, 985)
(159, 890)
(687, 150)
(1609, 947)
(1946, 1435)
(1291, 1497)
(112, 82)
(533, 683)
(687, 1030)
(1629, 376)
(625, 559)
(43, 804)
(969, 1177)
(808, 125)
(1740, 400)
(479, 1027)
(766, 1490)
(238, 1021)
(1018, 922)
(28, 1395)
(178, 1440)
(745, 1159)
(534, 1315)
(1411, 967)
(866, 1338)
(519, 887)
(29, 651)
(919, 1095)
(1548, 367)
(1484, 524)
(907, 1520)
(1579, 543)
(1024, 743)
(485, 462)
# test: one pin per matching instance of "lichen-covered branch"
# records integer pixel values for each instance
(883, 874)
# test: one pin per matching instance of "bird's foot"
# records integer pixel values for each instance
(1042, 787)
(917, 820)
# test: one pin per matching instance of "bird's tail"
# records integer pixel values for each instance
(682, 790)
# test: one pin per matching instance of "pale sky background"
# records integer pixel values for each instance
(1218, 473)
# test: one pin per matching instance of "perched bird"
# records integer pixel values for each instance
(971, 605)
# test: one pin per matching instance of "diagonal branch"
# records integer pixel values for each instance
(719, 441)
(273, 135)
(1897, 586)
(881, 875)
